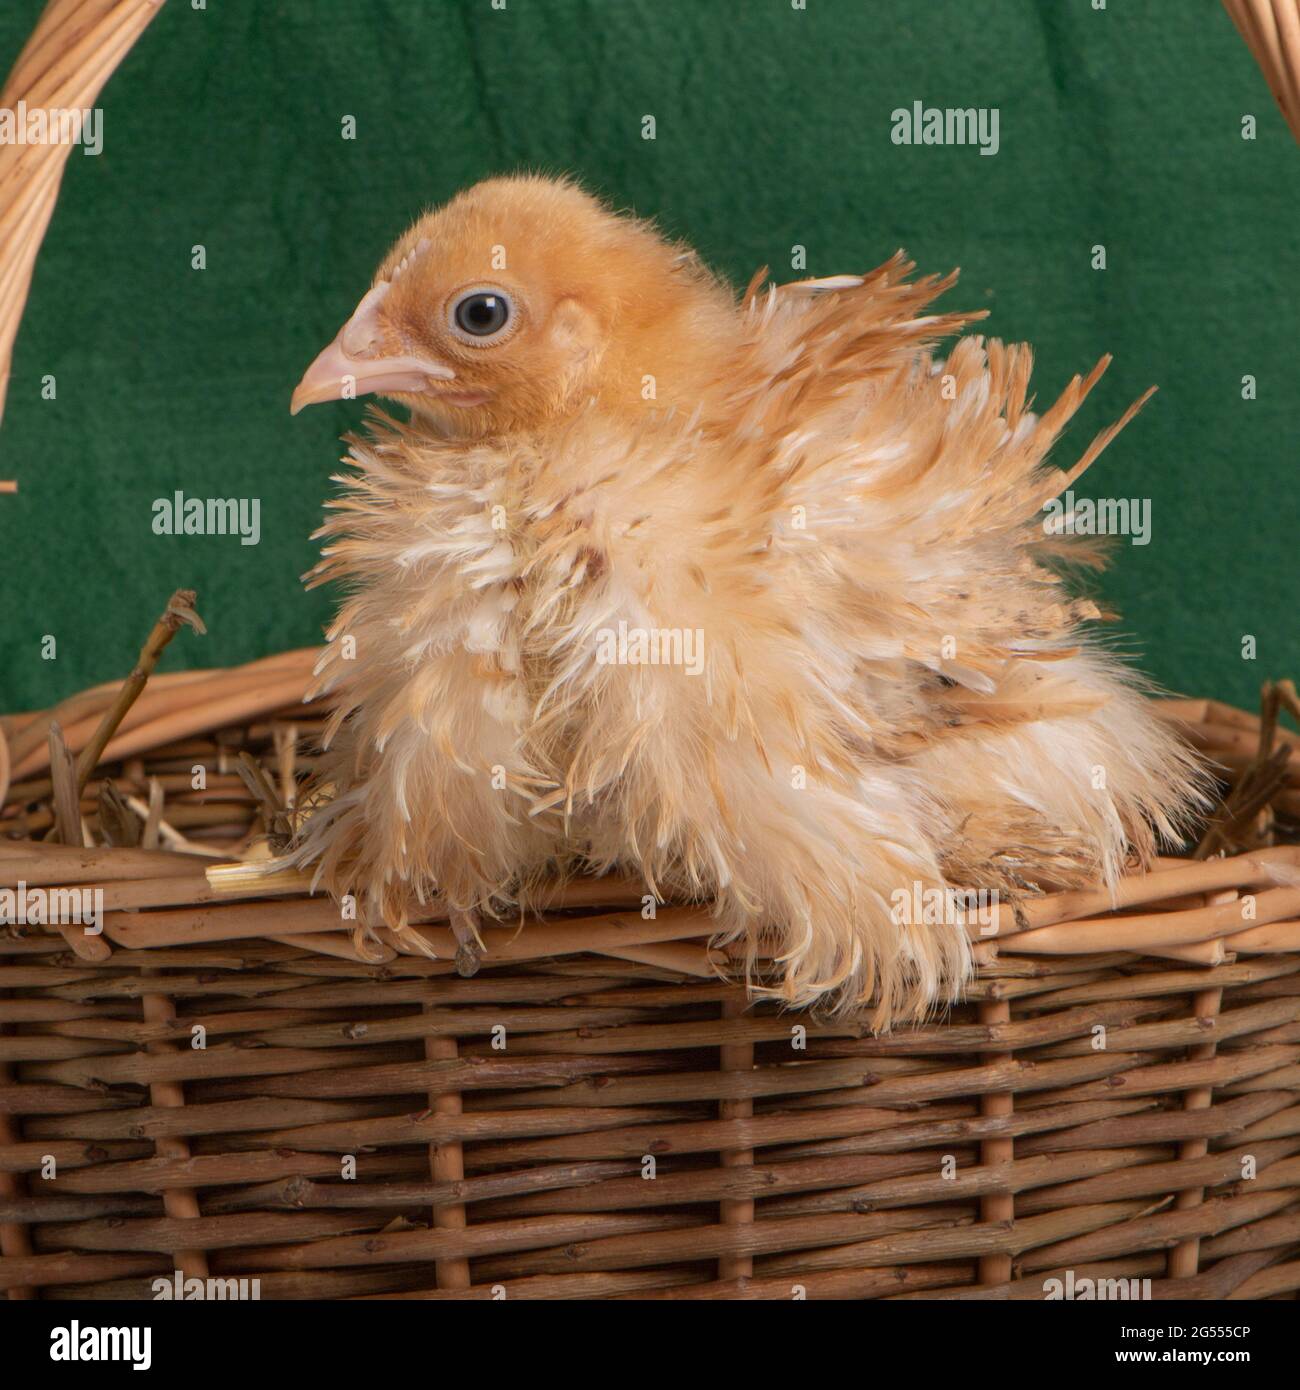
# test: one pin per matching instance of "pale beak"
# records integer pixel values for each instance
(354, 364)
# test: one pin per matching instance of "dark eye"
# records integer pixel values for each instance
(481, 313)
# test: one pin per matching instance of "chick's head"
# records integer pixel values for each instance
(514, 304)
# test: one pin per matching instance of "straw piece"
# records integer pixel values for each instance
(118, 824)
(157, 830)
(178, 613)
(66, 793)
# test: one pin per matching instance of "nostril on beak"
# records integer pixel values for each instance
(361, 335)
(357, 341)
(360, 361)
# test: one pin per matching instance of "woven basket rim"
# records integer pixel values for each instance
(1199, 912)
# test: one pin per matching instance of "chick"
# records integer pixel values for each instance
(752, 600)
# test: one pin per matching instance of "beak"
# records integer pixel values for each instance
(354, 365)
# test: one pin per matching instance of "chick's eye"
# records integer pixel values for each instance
(481, 314)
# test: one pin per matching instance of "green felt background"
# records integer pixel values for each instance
(1120, 126)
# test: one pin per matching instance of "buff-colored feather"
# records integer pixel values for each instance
(895, 690)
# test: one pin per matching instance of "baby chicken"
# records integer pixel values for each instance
(751, 600)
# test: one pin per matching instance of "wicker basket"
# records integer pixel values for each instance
(597, 1113)
(223, 1085)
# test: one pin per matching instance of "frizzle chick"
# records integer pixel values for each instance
(750, 599)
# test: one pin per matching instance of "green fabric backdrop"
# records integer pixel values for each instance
(1119, 126)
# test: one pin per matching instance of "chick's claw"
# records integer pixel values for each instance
(469, 944)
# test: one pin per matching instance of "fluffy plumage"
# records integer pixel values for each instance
(895, 691)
